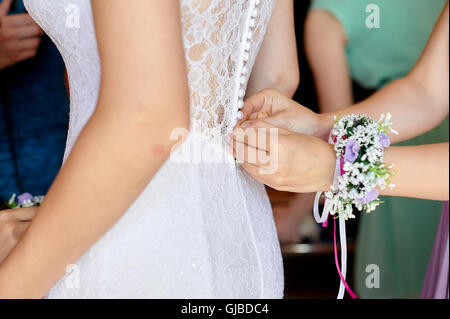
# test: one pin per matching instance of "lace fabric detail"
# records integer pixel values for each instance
(215, 44)
(198, 230)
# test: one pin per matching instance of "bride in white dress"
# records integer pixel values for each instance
(136, 223)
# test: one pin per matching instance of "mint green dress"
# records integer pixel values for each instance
(399, 235)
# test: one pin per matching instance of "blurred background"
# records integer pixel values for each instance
(345, 55)
(347, 50)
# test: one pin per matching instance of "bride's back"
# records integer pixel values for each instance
(196, 230)
(221, 40)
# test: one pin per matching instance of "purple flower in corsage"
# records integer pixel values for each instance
(24, 200)
(25, 197)
(384, 140)
(351, 151)
(370, 196)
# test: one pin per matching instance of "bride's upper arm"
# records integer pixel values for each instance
(277, 62)
(141, 53)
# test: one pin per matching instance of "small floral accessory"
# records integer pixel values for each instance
(359, 142)
(24, 200)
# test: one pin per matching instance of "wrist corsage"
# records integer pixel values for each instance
(359, 142)
(24, 200)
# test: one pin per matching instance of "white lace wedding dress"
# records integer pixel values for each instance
(199, 230)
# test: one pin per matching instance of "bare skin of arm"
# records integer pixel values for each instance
(417, 102)
(118, 151)
(325, 42)
(306, 164)
(277, 63)
(421, 171)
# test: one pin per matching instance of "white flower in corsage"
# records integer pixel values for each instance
(21, 201)
(359, 142)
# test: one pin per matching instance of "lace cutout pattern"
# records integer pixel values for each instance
(221, 40)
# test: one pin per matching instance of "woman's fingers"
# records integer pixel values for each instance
(21, 214)
(20, 229)
(274, 108)
(253, 170)
(266, 103)
(18, 20)
(261, 174)
(244, 153)
(292, 162)
(4, 7)
(25, 55)
(29, 44)
(258, 138)
(258, 134)
(29, 31)
(259, 105)
(282, 112)
(259, 147)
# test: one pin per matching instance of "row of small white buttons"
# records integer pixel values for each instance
(244, 69)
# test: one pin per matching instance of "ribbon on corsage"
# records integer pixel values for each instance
(323, 219)
(359, 142)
